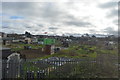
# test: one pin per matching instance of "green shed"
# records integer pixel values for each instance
(48, 41)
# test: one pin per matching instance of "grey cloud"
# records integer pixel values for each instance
(111, 7)
(47, 11)
(53, 28)
(71, 20)
(0, 7)
(18, 8)
(115, 22)
(71, 17)
(110, 31)
(40, 25)
(5, 27)
(113, 13)
(92, 31)
(78, 23)
(108, 5)
(50, 10)
(27, 26)
(44, 14)
(36, 30)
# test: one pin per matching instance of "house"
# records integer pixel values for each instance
(18, 39)
(48, 41)
(34, 40)
(6, 40)
(40, 40)
(3, 34)
(65, 44)
(27, 40)
(15, 41)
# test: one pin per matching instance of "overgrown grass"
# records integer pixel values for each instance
(74, 52)
(18, 47)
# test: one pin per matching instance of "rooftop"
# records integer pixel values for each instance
(4, 48)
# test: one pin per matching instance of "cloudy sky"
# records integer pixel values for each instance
(67, 17)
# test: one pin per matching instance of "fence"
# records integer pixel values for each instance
(50, 68)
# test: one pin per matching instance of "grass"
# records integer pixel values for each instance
(85, 69)
(73, 51)
(29, 67)
(108, 51)
(18, 47)
(78, 52)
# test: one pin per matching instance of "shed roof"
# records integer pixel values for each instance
(4, 48)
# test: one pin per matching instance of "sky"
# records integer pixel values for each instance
(69, 17)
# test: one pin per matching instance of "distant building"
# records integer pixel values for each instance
(40, 40)
(15, 41)
(6, 40)
(3, 35)
(65, 44)
(28, 40)
(48, 41)
(34, 40)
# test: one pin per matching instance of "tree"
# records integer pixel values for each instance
(93, 36)
(87, 35)
(27, 34)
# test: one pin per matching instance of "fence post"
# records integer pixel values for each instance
(40, 74)
(4, 69)
(32, 75)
